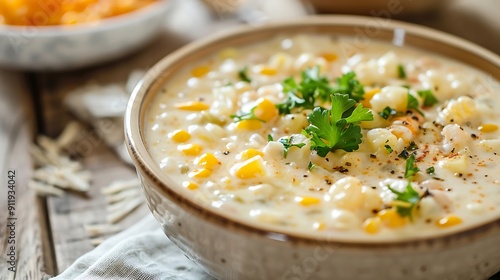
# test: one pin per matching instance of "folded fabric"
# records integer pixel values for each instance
(142, 252)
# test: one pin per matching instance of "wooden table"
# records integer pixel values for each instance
(49, 231)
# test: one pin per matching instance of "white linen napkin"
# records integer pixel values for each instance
(142, 252)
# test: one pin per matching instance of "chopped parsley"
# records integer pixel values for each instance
(401, 71)
(428, 97)
(246, 116)
(404, 154)
(410, 199)
(430, 170)
(288, 143)
(412, 147)
(347, 84)
(411, 169)
(244, 75)
(388, 149)
(387, 112)
(413, 104)
(337, 128)
(311, 166)
(270, 138)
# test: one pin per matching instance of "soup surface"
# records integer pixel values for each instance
(319, 136)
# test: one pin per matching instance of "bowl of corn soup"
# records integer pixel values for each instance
(63, 35)
(326, 147)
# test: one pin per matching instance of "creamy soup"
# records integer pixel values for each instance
(313, 135)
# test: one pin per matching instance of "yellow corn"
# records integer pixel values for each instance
(249, 124)
(190, 185)
(190, 149)
(250, 153)
(268, 71)
(265, 110)
(329, 56)
(179, 135)
(251, 168)
(391, 218)
(192, 106)
(307, 200)
(201, 173)
(372, 225)
(448, 221)
(488, 127)
(207, 160)
(368, 96)
(200, 71)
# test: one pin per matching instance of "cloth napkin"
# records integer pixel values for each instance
(142, 252)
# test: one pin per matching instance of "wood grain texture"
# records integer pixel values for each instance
(69, 213)
(16, 132)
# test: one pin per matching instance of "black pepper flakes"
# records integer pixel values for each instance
(226, 153)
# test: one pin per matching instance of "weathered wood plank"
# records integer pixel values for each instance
(29, 234)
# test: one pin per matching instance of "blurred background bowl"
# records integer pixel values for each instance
(43, 48)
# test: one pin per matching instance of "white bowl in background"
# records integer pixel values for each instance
(70, 47)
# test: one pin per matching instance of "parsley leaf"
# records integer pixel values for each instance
(404, 154)
(288, 143)
(412, 147)
(246, 116)
(409, 197)
(428, 97)
(244, 75)
(311, 166)
(401, 71)
(413, 104)
(347, 84)
(335, 129)
(387, 112)
(270, 138)
(430, 170)
(388, 148)
(411, 169)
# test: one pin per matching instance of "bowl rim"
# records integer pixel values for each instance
(146, 166)
(152, 10)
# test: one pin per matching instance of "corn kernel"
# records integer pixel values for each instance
(488, 127)
(307, 200)
(265, 110)
(249, 124)
(190, 185)
(448, 221)
(200, 71)
(251, 168)
(268, 71)
(190, 149)
(329, 56)
(192, 106)
(368, 96)
(391, 218)
(372, 225)
(201, 173)
(250, 153)
(179, 135)
(207, 160)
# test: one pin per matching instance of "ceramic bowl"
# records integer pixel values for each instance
(231, 249)
(381, 8)
(80, 45)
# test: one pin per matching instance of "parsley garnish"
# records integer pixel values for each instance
(270, 138)
(401, 71)
(246, 116)
(337, 128)
(411, 169)
(347, 84)
(311, 166)
(388, 148)
(404, 154)
(287, 144)
(413, 104)
(387, 112)
(409, 197)
(428, 97)
(413, 146)
(244, 75)
(430, 170)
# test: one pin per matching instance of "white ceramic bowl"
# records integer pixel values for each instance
(80, 45)
(231, 249)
